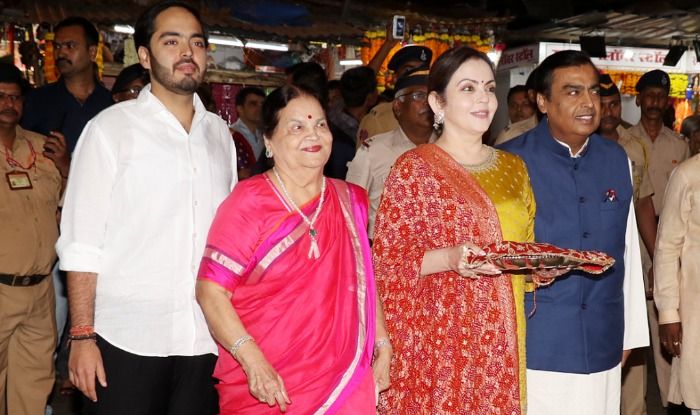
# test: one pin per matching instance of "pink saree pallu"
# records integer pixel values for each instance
(314, 319)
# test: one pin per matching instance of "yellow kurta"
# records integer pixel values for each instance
(507, 184)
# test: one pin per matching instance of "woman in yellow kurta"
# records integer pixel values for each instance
(507, 184)
(458, 341)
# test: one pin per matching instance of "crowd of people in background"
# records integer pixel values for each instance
(314, 256)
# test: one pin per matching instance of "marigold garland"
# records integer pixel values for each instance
(50, 74)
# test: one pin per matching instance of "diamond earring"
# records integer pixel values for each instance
(439, 120)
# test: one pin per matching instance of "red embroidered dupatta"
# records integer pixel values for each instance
(455, 339)
(313, 319)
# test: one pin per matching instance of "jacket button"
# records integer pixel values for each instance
(586, 235)
(584, 306)
(581, 199)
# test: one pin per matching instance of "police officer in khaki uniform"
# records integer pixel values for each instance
(33, 169)
(374, 158)
(380, 119)
(666, 150)
(634, 373)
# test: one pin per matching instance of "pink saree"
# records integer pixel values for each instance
(313, 319)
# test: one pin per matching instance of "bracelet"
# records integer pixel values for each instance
(238, 343)
(73, 337)
(81, 331)
(384, 341)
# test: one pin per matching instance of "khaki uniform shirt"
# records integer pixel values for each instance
(372, 163)
(516, 129)
(665, 153)
(379, 120)
(28, 216)
(639, 156)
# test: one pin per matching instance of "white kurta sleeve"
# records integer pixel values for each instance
(87, 201)
(636, 324)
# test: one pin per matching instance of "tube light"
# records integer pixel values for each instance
(351, 62)
(226, 41)
(254, 44)
(124, 28)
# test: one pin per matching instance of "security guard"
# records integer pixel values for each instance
(666, 148)
(373, 160)
(380, 119)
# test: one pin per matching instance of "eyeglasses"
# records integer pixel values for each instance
(418, 96)
(135, 91)
(13, 98)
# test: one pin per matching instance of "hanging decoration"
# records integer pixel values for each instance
(50, 74)
(99, 57)
(437, 40)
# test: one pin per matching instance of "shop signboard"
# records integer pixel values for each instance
(627, 58)
(521, 56)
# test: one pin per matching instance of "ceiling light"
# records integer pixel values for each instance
(351, 62)
(254, 44)
(226, 41)
(124, 28)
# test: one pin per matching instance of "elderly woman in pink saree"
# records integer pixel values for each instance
(286, 282)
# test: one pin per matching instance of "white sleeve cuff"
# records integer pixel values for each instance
(77, 257)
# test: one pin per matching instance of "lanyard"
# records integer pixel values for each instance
(16, 164)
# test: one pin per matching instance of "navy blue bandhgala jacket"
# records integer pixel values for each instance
(582, 203)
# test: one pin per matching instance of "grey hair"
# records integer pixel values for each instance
(690, 125)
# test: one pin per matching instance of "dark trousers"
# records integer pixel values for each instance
(143, 385)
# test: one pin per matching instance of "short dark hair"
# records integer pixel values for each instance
(92, 36)
(356, 84)
(515, 90)
(244, 92)
(277, 101)
(312, 77)
(145, 24)
(9, 74)
(563, 59)
(129, 75)
(447, 64)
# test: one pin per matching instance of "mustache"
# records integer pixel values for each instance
(59, 60)
(186, 61)
(9, 111)
(655, 109)
(609, 119)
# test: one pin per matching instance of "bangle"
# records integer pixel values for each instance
(238, 343)
(384, 341)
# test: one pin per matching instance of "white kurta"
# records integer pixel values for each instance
(556, 393)
(677, 277)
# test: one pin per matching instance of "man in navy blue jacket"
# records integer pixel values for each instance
(583, 188)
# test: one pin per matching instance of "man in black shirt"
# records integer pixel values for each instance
(64, 107)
